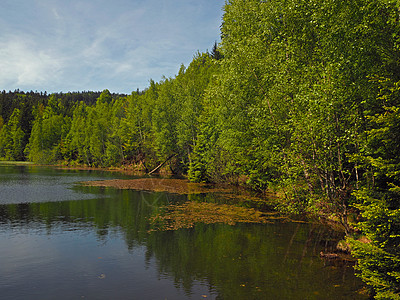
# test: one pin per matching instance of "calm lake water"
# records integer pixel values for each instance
(61, 240)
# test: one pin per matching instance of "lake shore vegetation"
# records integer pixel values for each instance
(300, 97)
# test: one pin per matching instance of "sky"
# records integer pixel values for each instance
(92, 45)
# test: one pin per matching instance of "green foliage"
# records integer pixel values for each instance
(77, 146)
(288, 99)
(292, 93)
(12, 138)
(49, 130)
(164, 119)
(201, 159)
(379, 200)
(95, 135)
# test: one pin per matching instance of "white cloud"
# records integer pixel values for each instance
(56, 14)
(23, 64)
(79, 45)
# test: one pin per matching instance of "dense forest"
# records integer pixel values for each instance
(300, 97)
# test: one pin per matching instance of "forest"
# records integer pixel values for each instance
(299, 97)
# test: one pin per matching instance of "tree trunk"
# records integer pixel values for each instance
(160, 165)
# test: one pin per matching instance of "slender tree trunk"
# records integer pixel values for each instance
(160, 165)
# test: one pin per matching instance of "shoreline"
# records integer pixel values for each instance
(181, 185)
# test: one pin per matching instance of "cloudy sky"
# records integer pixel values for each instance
(76, 45)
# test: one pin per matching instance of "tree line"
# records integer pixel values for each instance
(300, 96)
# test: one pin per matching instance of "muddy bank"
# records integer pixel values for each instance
(176, 186)
(228, 209)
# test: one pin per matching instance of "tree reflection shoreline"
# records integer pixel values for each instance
(244, 261)
(203, 253)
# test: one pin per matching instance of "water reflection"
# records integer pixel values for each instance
(23, 184)
(101, 248)
(122, 210)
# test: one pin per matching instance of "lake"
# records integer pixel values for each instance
(63, 240)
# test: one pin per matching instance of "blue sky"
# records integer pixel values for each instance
(76, 45)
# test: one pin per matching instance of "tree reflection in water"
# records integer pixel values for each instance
(279, 260)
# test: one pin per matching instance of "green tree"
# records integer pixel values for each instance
(49, 131)
(77, 146)
(135, 129)
(291, 94)
(165, 115)
(190, 88)
(12, 138)
(98, 124)
(115, 140)
(379, 198)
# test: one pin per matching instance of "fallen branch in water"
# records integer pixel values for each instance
(160, 165)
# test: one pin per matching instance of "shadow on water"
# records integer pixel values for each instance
(279, 260)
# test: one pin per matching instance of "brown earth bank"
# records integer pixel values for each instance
(170, 185)
(230, 194)
(234, 204)
(226, 193)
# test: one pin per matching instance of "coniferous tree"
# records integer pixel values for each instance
(379, 198)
